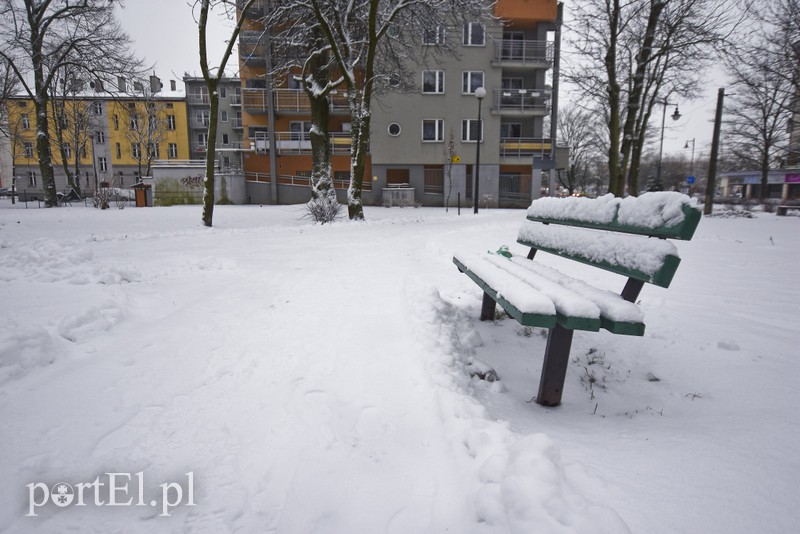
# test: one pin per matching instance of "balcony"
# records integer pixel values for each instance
(236, 123)
(235, 99)
(527, 102)
(525, 147)
(198, 99)
(252, 55)
(288, 143)
(199, 124)
(288, 101)
(517, 53)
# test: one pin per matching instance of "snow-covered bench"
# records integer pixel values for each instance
(625, 236)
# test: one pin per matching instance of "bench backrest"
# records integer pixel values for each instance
(620, 232)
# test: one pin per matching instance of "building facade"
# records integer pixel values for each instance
(106, 139)
(424, 140)
(230, 130)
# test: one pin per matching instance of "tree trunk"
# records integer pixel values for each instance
(358, 159)
(615, 183)
(211, 144)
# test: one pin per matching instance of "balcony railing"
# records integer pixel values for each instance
(288, 100)
(522, 100)
(534, 53)
(517, 147)
(301, 181)
(235, 99)
(300, 142)
(236, 123)
(198, 98)
(199, 123)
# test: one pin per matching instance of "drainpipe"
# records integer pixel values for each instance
(554, 97)
(273, 148)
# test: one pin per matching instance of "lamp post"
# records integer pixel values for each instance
(675, 116)
(691, 162)
(480, 93)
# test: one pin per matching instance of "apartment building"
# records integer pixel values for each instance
(113, 135)
(411, 131)
(230, 129)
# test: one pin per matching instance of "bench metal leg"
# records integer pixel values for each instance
(554, 367)
(488, 308)
(632, 289)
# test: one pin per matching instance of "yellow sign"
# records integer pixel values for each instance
(455, 159)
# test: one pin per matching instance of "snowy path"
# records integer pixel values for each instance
(320, 383)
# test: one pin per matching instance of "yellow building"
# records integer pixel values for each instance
(104, 138)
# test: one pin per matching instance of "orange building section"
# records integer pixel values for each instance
(526, 10)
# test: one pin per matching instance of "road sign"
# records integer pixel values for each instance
(690, 180)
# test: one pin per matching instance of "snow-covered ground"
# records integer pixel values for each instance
(316, 379)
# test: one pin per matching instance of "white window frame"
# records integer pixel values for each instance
(26, 121)
(153, 150)
(203, 117)
(102, 164)
(136, 151)
(172, 152)
(119, 150)
(170, 122)
(202, 139)
(438, 82)
(32, 178)
(466, 130)
(469, 34)
(223, 92)
(439, 131)
(466, 81)
(433, 36)
(99, 137)
(97, 107)
(67, 148)
(28, 147)
(225, 139)
(223, 116)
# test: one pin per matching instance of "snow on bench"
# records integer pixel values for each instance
(625, 236)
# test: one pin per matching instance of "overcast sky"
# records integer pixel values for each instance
(165, 33)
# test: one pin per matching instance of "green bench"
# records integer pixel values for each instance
(625, 236)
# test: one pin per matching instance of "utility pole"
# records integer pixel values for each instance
(712, 165)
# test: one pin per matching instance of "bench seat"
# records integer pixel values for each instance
(536, 295)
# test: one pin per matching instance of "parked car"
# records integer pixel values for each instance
(6, 192)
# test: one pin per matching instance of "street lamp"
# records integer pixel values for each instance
(480, 93)
(675, 116)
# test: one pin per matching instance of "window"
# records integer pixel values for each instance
(471, 130)
(223, 92)
(28, 146)
(121, 179)
(474, 34)
(119, 151)
(152, 149)
(300, 130)
(83, 151)
(433, 35)
(433, 179)
(99, 137)
(136, 150)
(170, 105)
(134, 123)
(97, 107)
(511, 129)
(203, 117)
(394, 129)
(67, 150)
(32, 178)
(102, 164)
(202, 139)
(171, 122)
(116, 122)
(64, 123)
(172, 153)
(223, 116)
(433, 130)
(26, 122)
(225, 139)
(433, 81)
(471, 80)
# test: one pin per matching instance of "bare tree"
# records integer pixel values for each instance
(212, 77)
(764, 90)
(633, 55)
(148, 127)
(580, 130)
(71, 121)
(39, 37)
